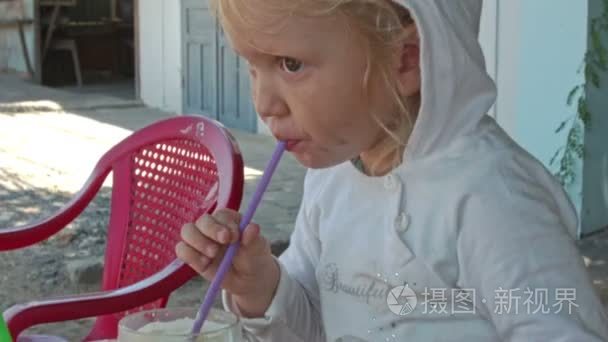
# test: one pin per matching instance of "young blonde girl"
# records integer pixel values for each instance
(421, 220)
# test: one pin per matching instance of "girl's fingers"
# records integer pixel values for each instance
(250, 234)
(256, 245)
(205, 241)
(213, 229)
(210, 272)
(253, 249)
(190, 256)
(198, 241)
(230, 219)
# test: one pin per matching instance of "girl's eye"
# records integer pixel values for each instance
(291, 65)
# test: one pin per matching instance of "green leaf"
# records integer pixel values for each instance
(594, 64)
(555, 155)
(572, 94)
(570, 179)
(583, 111)
(595, 79)
(574, 133)
(596, 39)
(561, 126)
(579, 151)
(580, 67)
(602, 58)
(588, 70)
(585, 116)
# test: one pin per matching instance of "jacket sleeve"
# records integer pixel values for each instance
(294, 313)
(530, 281)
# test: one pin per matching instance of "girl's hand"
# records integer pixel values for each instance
(254, 275)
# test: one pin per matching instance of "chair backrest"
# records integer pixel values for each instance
(164, 176)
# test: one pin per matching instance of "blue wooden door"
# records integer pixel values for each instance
(215, 79)
(199, 59)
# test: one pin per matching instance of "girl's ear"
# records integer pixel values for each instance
(409, 66)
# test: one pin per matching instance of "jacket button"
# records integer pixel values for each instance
(402, 222)
(390, 182)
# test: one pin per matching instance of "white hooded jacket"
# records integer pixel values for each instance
(472, 227)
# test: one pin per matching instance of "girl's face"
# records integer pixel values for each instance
(308, 87)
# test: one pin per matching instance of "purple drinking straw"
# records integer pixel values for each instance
(232, 249)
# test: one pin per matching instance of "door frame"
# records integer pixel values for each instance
(136, 53)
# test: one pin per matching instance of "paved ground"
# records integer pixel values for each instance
(49, 140)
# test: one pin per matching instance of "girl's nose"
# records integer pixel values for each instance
(267, 100)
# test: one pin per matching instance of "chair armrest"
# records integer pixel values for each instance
(22, 316)
(19, 237)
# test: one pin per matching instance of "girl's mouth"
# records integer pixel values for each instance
(294, 145)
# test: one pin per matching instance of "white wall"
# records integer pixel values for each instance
(534, 49)
(500, 39)
(161, 54)
(11, 54)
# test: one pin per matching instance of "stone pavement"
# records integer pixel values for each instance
(14, 89)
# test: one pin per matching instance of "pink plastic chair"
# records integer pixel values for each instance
(164, 175)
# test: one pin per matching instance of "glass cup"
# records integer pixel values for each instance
(174, 325)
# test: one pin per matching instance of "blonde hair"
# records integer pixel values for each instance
(382, 26)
